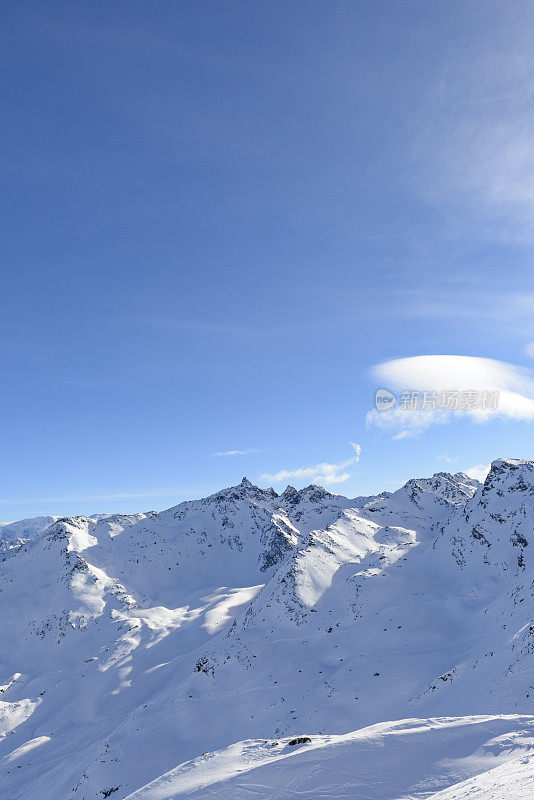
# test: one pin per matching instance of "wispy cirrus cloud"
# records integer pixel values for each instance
(324, 473)
(406, 434)
(447, 458)
(475, 152)
(93, 498)
(248, 452)
(471, 304)
(441, 374)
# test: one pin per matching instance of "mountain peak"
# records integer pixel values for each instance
(315, 492)
(510, 473)
(289, 491)
(512, 464)
(245, 489)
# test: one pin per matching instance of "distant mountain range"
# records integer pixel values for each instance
(257, 645)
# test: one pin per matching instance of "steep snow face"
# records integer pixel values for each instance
(426, 500)
(494, 528)
(131, 645)
(13, 534)
(486, 552)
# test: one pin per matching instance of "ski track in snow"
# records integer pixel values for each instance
(352, 763)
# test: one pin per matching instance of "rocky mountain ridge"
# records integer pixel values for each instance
(133, 644)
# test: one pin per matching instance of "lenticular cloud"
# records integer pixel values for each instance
(514, 384)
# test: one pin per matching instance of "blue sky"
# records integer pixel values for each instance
(219, 217)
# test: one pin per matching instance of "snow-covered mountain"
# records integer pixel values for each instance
(260, 645)
(13, 534)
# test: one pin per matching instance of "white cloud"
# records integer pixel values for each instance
(529, 349)
(322, 473)
(479, 473)
(248, 452)
(464, 301)
(447, 458)
(476, 150)
(514, 384)
(403, 435)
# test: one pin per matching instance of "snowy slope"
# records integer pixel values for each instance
(13, 534)
(132, 645)
(414, 758)
(512, 781)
